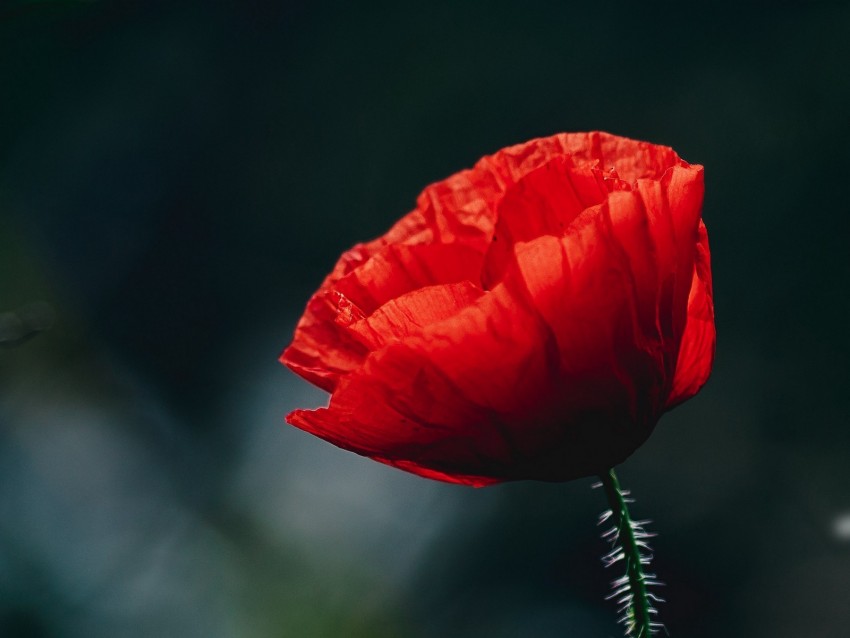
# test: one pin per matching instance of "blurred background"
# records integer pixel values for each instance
(177, 177)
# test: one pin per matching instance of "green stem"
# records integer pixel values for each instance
(640, 624)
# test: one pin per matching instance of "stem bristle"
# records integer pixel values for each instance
(627, 539)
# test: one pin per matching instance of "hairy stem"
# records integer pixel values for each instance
(641, 624)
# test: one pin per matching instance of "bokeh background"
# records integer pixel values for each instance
(177, 177)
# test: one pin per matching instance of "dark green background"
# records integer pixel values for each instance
(176, 178)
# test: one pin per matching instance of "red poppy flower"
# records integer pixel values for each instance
(531, 318)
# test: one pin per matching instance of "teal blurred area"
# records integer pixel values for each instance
(177, 177)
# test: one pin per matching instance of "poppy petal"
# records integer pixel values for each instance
(322, 351)
(631, 159)
(396, 412)
(582, 286)
(696, 354)
(412, 312)
(545, 201)
(465, 376)
(399, 269)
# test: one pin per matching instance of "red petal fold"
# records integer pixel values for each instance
(545, 201)
(410, 313)
(456, 392)
(631, 159)
(696, 354)
(322, 350)
(583, 287)
(397, 270)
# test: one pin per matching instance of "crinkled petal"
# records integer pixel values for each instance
(630, 228)
(583, 287)
(372, 414)
(673, 207)
(657, 227)
(543, 202)
(412, 312)
(461, 207)
(631, 159)
(696, 354)
(397, 270)
(469, 396)
(322, 350)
